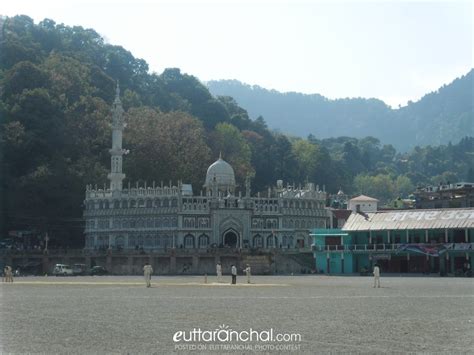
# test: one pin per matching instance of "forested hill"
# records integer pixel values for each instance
(57, 84)
(438, 118)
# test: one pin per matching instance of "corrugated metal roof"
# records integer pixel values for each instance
(452, 218)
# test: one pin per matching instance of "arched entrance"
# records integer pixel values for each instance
(231, 239)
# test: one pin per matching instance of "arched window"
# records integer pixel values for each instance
(133, 204)
(166, 241)
(124, 204)
(272, 241)
(101, 205)
(116, 204)
(203, 241)
(258, 241)
(149, 222)
(132, 241)
(149, 203)
(189, 241)
(106, 204)
(269, 223)
(149, 241)
(140, 241)
(119, 241)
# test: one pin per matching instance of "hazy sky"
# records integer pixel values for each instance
(392, 50)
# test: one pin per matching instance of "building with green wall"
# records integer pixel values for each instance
(402, 241)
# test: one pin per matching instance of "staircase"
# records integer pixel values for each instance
(304, 259)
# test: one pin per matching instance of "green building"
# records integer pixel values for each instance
(402, 241)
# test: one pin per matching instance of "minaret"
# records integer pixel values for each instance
(116, 176)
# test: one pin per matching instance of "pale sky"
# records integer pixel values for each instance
(392, 50)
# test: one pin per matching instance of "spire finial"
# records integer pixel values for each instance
(220, 155)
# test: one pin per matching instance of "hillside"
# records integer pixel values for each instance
(57, 84)
(438, 118)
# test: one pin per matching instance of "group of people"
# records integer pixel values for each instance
(233, 272)
(148, 271)
(7, 275)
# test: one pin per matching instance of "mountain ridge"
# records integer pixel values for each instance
(424, 122)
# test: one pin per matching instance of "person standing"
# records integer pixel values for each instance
(376, 275)
(247, 272)
(233, 270)
(147, 271)
(9, 274)
(219, 272)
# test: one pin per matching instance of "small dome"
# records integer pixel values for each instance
(222, 173)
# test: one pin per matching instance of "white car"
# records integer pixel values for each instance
(62, 270)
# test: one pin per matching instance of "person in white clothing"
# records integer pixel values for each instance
(147, 271)
(247, 272)
(233, 270)
(376, 275)
(219, 272)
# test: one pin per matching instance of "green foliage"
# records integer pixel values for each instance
(57, 84)
(439, 117)
(227, 140)
(169, 146)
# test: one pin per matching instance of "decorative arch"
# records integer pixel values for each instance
(257, 241)
(203, 241)
(272, 241)
(231, 238)
(119, 241)
(189, 242)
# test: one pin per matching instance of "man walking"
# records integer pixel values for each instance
(147, 271)
(233, 270)
(247, 272)
(376, 275)
(219, 272)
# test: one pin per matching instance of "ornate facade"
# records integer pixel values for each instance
(164, 217)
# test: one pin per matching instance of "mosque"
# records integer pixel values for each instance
(163, 217)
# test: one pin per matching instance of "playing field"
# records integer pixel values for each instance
(331, 314)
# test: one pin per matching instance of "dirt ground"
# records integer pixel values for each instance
(329, 314)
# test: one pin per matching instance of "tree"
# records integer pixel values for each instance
(165, 146)
(227, 140)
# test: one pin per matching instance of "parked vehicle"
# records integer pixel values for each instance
(79, 269)
(98, 270)
(62, 270)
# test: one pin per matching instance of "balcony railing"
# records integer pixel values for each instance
(383, 247)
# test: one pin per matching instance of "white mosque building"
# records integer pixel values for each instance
(163, 217)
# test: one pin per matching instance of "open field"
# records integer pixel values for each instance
(343, 314)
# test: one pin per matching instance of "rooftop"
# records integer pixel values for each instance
(411, 219)
(364, 198)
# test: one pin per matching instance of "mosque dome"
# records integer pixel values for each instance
(222, 173)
